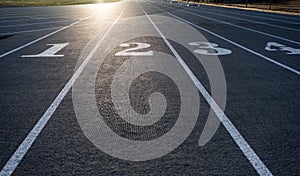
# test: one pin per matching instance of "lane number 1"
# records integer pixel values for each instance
(50, 52)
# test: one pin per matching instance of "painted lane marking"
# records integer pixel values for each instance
(43, 37)
(256, 12)
(256, 22)
(16, 158)
(31, 24)
(271, 46)
(130, 51)
(254, 159)
(50, 52)
(203, 46)
(284, 21)
(254, 16)
(34, 15)
(29, 31)
(245, 28)
(234, 43)
(27, 19)
(279, 16)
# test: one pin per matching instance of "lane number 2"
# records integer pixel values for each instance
(134, 51)
(204, 48)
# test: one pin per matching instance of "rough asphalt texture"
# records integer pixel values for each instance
(262, 98)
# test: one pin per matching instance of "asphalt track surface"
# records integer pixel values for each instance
(259, 132)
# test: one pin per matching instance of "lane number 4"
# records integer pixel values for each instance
(274, 46)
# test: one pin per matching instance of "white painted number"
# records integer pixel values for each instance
(274, 46)
(133, 51)
(51, 51)
(204, 46)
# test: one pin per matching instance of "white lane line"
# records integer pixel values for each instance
(30, 24)
(33, 15)
(254, 16)
(27, 19)
(280, 16)
(28, 14)
(28, 31)
(235, 134)
(38, 30)
(42, 15)
(43, 37)
(234, 43)
(4, 18)
(258, 13)
(16, 158)
(245, 28)
(259, 17)
(256, 22)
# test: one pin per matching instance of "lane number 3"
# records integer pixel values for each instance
(205, 47)
(135, 50)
